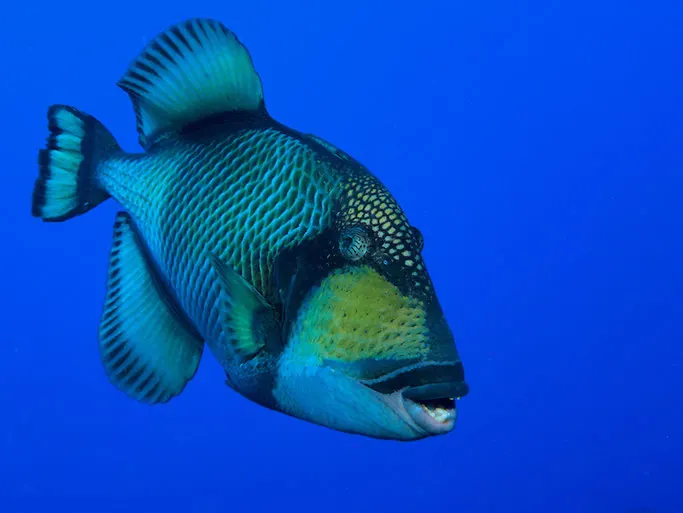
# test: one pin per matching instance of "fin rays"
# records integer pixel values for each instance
(249, 322)
(147, 350)
(191, 71)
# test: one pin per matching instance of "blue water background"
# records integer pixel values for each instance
(537, 145)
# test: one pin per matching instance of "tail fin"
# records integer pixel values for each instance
(67, 185)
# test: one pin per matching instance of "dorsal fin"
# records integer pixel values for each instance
(193, 70)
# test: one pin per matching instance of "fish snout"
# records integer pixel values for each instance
(428, 391)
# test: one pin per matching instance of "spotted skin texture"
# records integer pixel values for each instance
(356, 314)
(366, 202)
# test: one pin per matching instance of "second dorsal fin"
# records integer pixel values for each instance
(193, 70)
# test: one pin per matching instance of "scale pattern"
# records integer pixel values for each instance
(244, 198)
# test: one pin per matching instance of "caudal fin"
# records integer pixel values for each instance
(67, 184)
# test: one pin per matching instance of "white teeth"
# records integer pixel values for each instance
(440, 414)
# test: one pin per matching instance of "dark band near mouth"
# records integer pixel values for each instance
(424, 381)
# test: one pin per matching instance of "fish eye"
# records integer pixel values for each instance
(419, 238)
(354, 243)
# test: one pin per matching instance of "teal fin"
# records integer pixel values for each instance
(191, 71)
(66, 184)
(250, 323)
(148, 349)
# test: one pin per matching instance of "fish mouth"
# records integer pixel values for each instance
(427, 393)
(432, 406)
(435, 416)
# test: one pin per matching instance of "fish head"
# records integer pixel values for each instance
(368, 349)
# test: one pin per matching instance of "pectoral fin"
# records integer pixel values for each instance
(250, 323)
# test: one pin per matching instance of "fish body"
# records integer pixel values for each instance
(284, 255)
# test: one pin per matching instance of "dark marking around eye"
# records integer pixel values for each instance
(354, 243)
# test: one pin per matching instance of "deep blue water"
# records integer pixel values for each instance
(537, 145)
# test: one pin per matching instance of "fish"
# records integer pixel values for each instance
(281, 253)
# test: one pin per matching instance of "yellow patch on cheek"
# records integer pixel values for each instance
(357, 314)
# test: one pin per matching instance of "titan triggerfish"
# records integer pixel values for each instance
(284, 254)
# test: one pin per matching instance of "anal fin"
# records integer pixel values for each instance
(149, 351)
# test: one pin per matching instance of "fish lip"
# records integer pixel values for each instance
(425, 421)
(424, 380)
(438, 390)
(415, 415)
(411, 388)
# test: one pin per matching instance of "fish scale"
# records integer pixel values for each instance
(245, 198)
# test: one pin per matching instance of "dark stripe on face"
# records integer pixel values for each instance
(424, 381)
